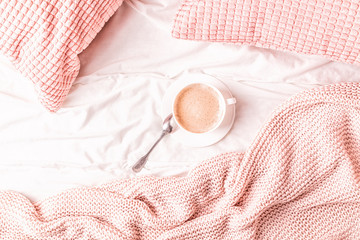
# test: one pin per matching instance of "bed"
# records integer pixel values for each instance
(113, 112)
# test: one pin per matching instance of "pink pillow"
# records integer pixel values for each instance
(325, 27)
(43, 38)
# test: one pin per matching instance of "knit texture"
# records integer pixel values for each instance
(42, 38)
(330, 28)
(298, 180)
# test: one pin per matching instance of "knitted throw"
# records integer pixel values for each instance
(298, 180)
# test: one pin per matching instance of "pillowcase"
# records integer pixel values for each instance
(326, 27)
(42, 38)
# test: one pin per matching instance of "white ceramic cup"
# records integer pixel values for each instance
(223, 102)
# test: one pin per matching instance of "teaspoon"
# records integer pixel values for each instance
(167, 128)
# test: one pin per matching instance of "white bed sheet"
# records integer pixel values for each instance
(112, 114)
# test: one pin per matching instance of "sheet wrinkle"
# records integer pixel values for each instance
(152, 12)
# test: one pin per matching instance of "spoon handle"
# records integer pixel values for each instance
(142, 161)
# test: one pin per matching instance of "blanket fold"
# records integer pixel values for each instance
(298, 180)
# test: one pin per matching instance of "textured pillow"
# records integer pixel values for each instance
(323, 27)
(43, 38)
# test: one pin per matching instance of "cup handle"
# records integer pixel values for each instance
(230, 101)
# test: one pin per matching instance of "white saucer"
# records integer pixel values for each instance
(205, 139)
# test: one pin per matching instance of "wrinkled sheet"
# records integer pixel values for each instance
(113, 112)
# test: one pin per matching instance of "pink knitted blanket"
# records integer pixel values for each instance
(298, 180)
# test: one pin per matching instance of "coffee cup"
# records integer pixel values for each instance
(200, 108)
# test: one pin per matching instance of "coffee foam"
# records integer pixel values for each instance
(197, 108)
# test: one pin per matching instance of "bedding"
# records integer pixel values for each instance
(327, 28)
(98, 133)
(43, 39)
(112, 113)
